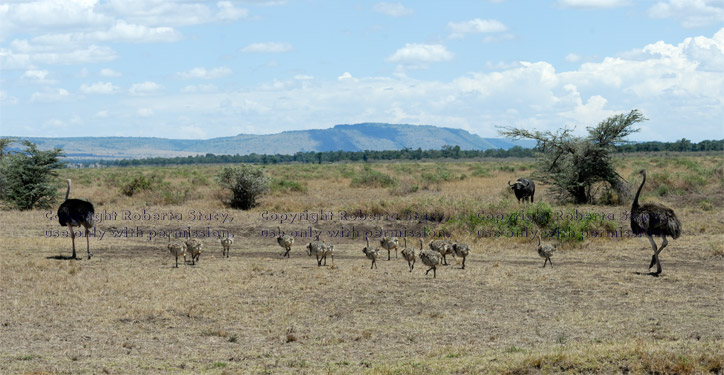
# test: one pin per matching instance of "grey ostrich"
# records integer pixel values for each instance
(545, 250)
(371, 253)
(286, 241)
(651, 220)
(74, 213)
(389, 243)
(430, 258)
(462, 250)
(409, 254)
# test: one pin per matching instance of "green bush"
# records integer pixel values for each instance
(138, 184)
(246, 182)
(440, 174)
(284, 185)
(504, 220)
(369, 177)
(27, 178)
(479, 170)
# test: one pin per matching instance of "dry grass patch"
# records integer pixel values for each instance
(128, 310)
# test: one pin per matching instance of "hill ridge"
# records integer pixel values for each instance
(345, 137)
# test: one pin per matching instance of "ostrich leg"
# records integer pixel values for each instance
(72, 238)
(87, 240)
(656, 255)
(653, 257)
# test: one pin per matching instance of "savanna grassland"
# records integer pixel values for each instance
(597, 310)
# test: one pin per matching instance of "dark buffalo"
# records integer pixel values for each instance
(523, 189)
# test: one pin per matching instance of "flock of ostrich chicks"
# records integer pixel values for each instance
(647, 219)
(438, 251)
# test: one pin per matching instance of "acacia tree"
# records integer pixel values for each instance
(572, 165)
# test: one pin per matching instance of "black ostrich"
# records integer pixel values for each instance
(654, 220)
(74, 213)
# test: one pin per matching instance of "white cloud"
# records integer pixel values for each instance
(38, 76)
(573, 58)
(392, 9)
(92, 54)
(34, 16)
(588, 114)
(119, 31)
(50, 95)
(475, 26)
(144, 112)
(421, 53)
(99, 88)
(228, 12)
(498, 38)
(270, 47)
(102, 114)
(123, 31)
(344, 76)
(172, 12)
(593, 4)
(203, 73)
(144, 88)
(690, 13)
(199, 88)
(7, 99)
(105, 72)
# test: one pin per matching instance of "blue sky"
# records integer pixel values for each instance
(205, 69)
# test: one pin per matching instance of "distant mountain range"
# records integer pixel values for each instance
(357, 137)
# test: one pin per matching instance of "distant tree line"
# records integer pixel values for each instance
(682, 145)
(450, 152)
(312, 157)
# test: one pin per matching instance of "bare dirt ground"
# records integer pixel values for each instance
(127, 310)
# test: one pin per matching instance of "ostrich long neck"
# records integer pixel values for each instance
(67, 192)
(636, 198)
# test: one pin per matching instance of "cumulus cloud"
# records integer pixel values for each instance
(672, 84)
(475, 26)
(144, 112)
(174, 12)
(592, 4)
(269, 47)
(50, 95)
(42, 15)
(99, 88)
(92, 54)
(392, 9)
(204, 73)
(106, 72)
(122, 31)
(38, 76)
(199, 88)
(421, 53)
(690, 13)
(73, 31)
(228, 12)
(7, 99)
(144, 88)
(573, 58)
